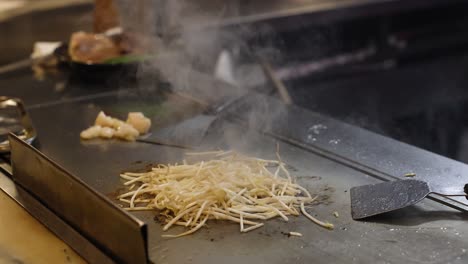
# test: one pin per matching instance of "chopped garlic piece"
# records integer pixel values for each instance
(92, 132)
(139, 122)
(107, 121)
(107, 132)
(126, 132)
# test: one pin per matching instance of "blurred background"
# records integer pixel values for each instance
(398, 68)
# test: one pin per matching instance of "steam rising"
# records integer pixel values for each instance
(191, 49)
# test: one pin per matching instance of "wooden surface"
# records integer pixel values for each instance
(24, 240)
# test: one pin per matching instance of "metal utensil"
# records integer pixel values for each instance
(189, 133)
(277, 83)
(21, 125)
(186, 134)
(95, 217)
(374, 199)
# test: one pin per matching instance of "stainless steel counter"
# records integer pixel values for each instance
(18, 228)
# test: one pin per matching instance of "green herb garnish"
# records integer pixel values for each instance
(129, 59)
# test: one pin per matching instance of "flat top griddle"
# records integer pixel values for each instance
(426, 233)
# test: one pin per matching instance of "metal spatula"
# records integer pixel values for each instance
(189, 133)
(374, 199)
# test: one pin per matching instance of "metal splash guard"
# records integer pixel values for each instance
(91, 214)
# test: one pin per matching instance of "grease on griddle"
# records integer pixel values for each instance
(113, 195)
(312, 177)
(265, 233)
(286, 165)
(160, 218)
(324, 196)
(139, 166)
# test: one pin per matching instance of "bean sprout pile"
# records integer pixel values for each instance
(221, 185)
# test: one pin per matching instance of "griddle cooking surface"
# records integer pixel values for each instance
(427, 233)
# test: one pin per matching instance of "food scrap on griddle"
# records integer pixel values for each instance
(410, 174)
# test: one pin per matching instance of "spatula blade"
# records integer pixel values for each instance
(374, 199)
(188, 133)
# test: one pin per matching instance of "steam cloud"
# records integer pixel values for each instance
(188, 48)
